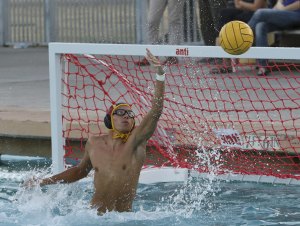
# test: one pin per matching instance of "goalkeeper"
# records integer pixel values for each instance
(117, 158)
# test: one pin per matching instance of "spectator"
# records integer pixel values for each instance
(285, 14)
(175, 15)
(243, 11)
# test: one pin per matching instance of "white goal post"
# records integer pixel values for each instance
(56, 69)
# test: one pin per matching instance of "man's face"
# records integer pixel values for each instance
(123, 119)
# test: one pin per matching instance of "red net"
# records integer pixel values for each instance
(231, 122)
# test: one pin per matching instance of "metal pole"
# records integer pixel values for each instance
(57, 141)
(141, 12)
(3, 21)
(47, 20)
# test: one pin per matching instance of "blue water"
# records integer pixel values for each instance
(196, 202)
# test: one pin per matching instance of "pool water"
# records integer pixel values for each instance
(196, 202)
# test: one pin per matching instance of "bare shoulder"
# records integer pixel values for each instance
(93, 143)
(94, 139)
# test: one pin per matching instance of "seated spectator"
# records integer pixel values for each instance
(243, 11)
(285, 14)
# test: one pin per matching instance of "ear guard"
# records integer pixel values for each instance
(107, 121)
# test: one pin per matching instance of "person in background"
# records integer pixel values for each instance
(117, 157)
(285, 14)
(243, 11)
(155, 15)
(209, 18)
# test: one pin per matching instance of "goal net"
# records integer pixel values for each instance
(232, 123)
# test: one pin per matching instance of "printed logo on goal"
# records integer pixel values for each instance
(229, 137)
(232, 138)
(182, 52)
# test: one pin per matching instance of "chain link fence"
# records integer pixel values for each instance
(38, 22)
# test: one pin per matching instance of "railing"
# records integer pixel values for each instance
(37, 22)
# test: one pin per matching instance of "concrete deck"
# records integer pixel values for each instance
(24, 102)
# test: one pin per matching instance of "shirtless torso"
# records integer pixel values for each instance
(117, 168)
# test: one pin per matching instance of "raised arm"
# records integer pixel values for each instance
(257, 4)
(68, 176)
(149, 122)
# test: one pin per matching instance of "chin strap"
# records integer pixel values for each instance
(117, 134)
(123, 136)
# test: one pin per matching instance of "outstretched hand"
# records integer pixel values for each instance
(152, 59)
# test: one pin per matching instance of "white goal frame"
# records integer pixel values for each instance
(55, 70)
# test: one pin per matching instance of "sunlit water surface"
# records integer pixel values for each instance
(196, 202)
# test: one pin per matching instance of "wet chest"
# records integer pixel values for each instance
(111, 160)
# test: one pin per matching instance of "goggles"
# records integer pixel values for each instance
(122, 112)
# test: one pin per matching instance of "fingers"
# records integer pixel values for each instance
(152, 59)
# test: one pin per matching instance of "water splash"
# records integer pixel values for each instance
(198, 201)
(197, 193)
